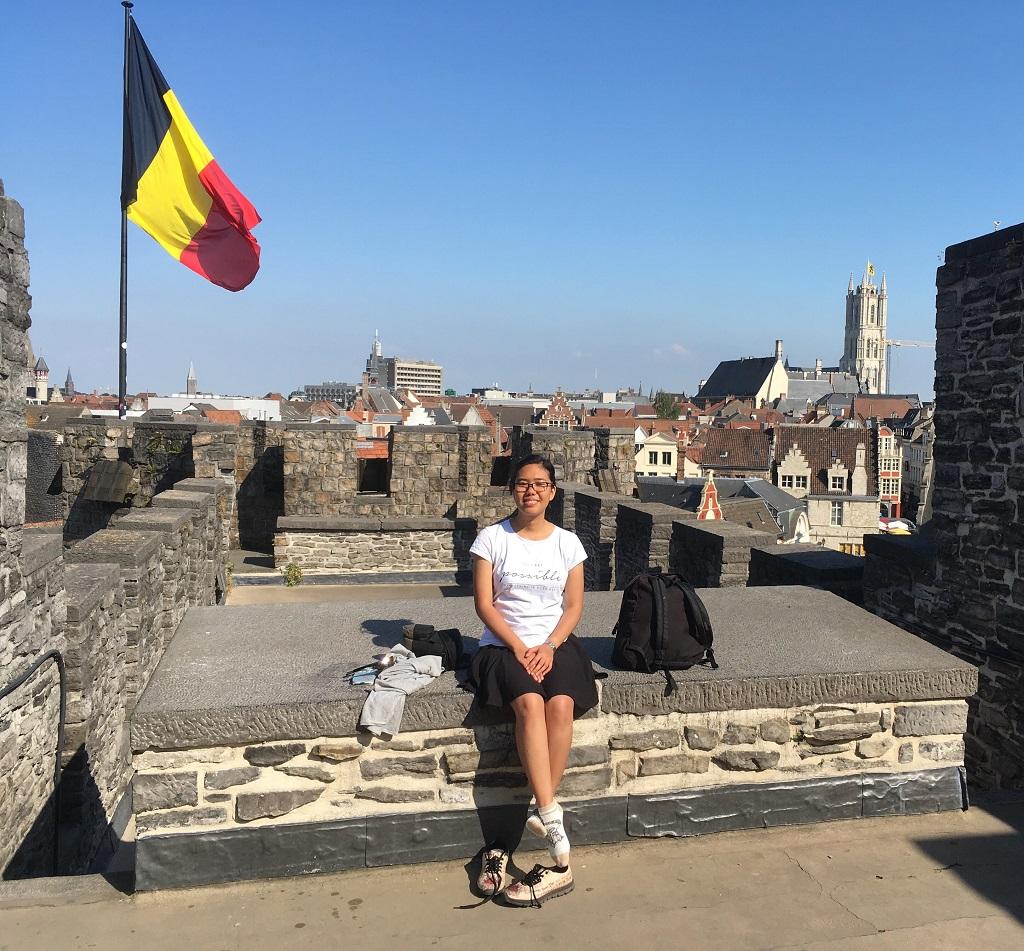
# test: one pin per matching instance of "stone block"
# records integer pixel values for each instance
(225, 778)
(831, 735)
(942, 751)
(872, 749)
(673, 763)
(203, 816)
(267, 805)
(318, 773)
(398, 766)
(748, 760)
(648, 740)
(906, 753)
(164, 791)
(701, 738)
(736, 734)
(338, 751)
(775, 730)
(581, 782)
(388, 794)
(587, 756)
(930, 719)
(273, 755)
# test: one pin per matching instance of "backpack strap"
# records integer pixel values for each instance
(658, 591)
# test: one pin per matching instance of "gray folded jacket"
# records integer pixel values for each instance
(384, 705)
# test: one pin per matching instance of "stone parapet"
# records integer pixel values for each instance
(714, 554)
(595, 519)
(137, 554)
(643, 537)
(96, 755)
(208, 521)
(373, 545)
(812, 565)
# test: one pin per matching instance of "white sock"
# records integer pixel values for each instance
(558, 841)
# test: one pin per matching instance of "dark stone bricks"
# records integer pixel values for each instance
(701, 738)
(225, 778)
(164, 791)
(749, 760)
(387, 794)
(204, 816)
(667, 763)
(398, 766)
(930, 720)
(648, 740)
(265, 805)
(273, 755)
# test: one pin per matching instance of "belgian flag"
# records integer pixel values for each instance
(172, 187)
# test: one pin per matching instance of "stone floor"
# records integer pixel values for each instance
(943, 882)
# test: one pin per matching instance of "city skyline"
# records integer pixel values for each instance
(526, 195)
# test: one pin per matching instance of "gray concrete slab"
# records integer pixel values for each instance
(236, 674)
(940, 882)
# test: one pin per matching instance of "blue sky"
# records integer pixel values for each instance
(560, 194)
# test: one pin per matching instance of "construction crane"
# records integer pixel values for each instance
(889, 344)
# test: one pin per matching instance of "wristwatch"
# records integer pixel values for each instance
(550, 643)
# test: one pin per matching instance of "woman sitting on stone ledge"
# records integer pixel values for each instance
(528, 591)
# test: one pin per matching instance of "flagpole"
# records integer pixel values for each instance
(122, 344)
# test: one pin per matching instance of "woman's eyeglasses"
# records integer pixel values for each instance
(521, 485)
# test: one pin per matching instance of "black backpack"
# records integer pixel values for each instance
(663, 625)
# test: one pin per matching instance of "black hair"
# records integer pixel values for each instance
(532, 460)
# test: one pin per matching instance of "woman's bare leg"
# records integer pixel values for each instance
(558, 713)
(532, 743)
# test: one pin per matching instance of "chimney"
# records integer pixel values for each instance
(817, 368)
(778, 349)
(860, 473)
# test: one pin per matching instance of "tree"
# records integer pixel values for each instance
(665, 405)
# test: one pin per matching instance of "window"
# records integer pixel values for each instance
(652, 458)
(788, 482)
(836, 516)
(837, 483)
(890, 486)
(801, 482)
(666, 458)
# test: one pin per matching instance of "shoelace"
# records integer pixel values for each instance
(532, 879)
(492, 867)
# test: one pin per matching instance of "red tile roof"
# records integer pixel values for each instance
(738, 449)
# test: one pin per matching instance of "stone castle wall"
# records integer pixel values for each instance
(28, 628)
(962, 584)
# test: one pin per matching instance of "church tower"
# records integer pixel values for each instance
(864, 342)
(191, 381)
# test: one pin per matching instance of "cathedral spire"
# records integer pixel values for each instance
(191, 381)
(881, 290)
(849, 289)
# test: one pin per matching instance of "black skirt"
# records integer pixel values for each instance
(498, 678)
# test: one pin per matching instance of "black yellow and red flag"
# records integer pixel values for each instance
(173, 188)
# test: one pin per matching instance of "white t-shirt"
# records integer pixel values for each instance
(529, 579)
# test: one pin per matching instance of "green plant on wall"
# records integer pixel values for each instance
(292, 575)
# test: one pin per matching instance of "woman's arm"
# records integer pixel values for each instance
(483, 601)
(539, 660)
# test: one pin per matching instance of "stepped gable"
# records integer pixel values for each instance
(820, 447)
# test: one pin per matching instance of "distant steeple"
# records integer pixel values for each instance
(69, 386)
(191, 382)
(881, 289)
(850, 288)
